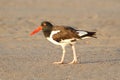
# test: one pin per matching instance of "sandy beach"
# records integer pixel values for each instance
(23, 57)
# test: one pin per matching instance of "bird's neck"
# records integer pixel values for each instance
(47, 31)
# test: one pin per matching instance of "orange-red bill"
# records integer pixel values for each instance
(36, 30)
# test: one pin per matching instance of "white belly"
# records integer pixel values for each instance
(53, 41)
(62, 42)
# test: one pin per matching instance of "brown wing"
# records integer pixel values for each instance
(65, 33)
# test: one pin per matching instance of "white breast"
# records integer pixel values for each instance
(51, 39)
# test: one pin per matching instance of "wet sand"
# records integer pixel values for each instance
(23, 57)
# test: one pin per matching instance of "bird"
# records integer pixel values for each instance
(63, 36)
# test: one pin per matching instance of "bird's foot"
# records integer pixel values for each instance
(58, 62)
(73, 62)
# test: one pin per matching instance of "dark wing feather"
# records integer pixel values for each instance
(89, 34)
(65, 33)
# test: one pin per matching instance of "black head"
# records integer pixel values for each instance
(46, 28)
(46, 24)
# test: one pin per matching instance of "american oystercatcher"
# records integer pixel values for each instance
(63, 35)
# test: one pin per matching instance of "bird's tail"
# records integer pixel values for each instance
(86, 34)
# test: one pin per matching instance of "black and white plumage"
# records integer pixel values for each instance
(63, 35)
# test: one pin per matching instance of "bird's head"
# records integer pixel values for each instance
(44, 25)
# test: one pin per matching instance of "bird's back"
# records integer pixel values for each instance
(65, 32)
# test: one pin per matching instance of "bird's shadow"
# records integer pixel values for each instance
(99, 61)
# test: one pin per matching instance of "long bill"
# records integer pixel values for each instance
(36, 30)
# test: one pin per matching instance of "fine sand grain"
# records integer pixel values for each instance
(23, 57)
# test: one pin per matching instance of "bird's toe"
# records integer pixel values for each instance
(73, 62)
(57, 62)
